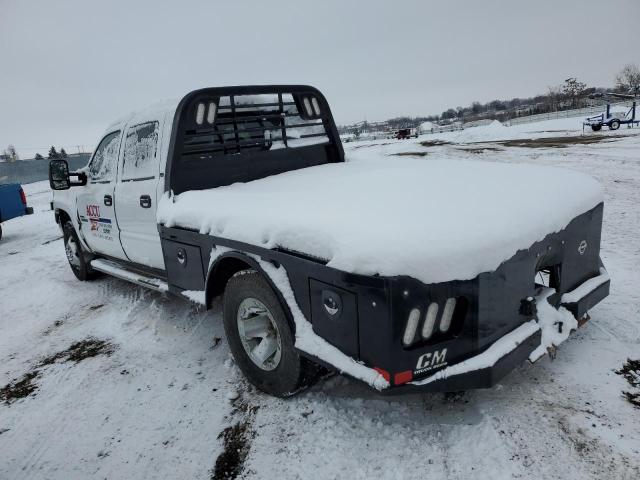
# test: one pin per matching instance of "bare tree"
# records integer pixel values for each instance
(12, 154)
(628, 79)
(554, 95)
(574, 89)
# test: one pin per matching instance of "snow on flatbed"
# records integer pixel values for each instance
(163, 402)
(434, 220)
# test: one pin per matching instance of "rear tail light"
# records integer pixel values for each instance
(402, 377)
(386, 375)
(430, 321)
(23, 197)
(440, 321)
(412, 326)
(447, 314)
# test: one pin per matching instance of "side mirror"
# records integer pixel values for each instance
(59, 175)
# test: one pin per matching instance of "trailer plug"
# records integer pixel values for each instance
(528, 307)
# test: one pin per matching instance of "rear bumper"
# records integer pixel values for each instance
(487, 368)
(484, 377)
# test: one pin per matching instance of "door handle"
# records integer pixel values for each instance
(145, 201)
(108, 200)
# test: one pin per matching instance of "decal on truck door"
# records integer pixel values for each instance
(100, 227)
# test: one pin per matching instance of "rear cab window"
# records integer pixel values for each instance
(140, 151)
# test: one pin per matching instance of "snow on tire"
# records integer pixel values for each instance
(260, 337)
(75, 254)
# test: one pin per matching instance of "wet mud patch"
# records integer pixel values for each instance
(52, 240)
(410, 154)
(554, 142)
(434, 143)
(480, 149)
(57, 324)
(367, 145)
(631, 373)
(230, 462)
(237, 440)
(27, 386)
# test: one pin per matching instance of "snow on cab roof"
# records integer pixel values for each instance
(155, 111)
(433, 220)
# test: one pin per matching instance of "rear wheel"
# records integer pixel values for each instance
(614, 125)
(0, 232)
(75, 254)
(260, 337)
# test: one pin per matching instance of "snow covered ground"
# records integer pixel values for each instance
(108, 380)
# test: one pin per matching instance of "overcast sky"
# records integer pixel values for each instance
(68, 68)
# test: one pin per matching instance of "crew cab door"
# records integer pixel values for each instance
(96, 200)
(136, 191)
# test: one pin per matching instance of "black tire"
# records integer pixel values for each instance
(292, 372)
(0, 232)
(614, 125)
(596, 128)
(80, 266)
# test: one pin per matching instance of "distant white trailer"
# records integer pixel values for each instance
(613, 119)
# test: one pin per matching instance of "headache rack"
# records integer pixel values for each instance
(238, 134)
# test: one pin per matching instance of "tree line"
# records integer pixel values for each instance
(53, 153)
(570, 94)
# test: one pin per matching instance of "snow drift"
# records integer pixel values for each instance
(434, 220)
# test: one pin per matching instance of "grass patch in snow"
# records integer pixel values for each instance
(19, 388)
(631, 372)
(77, 352)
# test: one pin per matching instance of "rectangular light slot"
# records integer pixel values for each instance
(316, 106)
(307, 106)
(211, 113)
(200, 114)
(430, 321)
(447, 314)
(412, 326)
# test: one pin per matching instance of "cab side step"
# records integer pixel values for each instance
(117, 270)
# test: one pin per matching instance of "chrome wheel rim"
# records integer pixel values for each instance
(259, 334)
(71, 249)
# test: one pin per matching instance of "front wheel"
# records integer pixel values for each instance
(260, 337)
(596, 128)
(614, 125)
(75, 254)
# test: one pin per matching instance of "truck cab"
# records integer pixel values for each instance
(114, 211)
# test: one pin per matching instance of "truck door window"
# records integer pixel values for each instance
(102, 166)
(140, 149)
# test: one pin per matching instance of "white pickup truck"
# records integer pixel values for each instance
(407, 274)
